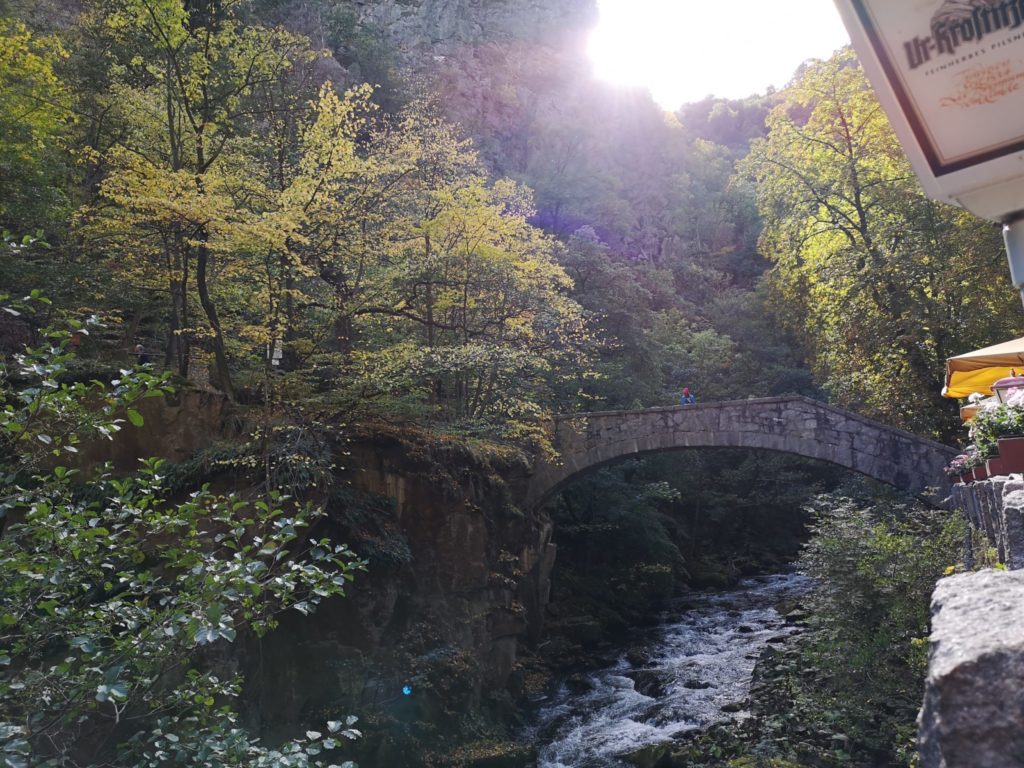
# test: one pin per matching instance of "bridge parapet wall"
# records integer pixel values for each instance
(796, 425)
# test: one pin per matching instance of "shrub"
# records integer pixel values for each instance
(110, 592)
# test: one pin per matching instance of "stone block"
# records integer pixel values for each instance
(757, 440)
(829, 437)
(974, 694)
(1012, 529)
(973, 511)
(865, 444)
(666, 440)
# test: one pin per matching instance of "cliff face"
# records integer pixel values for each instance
(496, 67)
(430, 28)
(457, 582)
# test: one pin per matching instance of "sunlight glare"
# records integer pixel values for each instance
(683, 50)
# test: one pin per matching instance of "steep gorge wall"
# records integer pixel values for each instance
(427, 28)
(498, 68)
(457, 582)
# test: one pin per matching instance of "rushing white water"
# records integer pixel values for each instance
(699, 661)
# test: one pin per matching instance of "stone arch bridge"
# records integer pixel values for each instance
(796, 425)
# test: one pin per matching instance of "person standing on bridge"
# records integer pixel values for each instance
(687, 398)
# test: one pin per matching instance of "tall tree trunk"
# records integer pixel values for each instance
(173, 337)
(343, 330)
(290, 360)
(219, 353)
(202, 263)
(179, 296)
(430, 293)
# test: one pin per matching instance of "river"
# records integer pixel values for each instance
(699, 660)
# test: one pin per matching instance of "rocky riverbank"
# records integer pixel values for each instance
(677, 678)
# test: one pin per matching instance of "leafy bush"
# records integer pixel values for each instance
(111, 594)
(848, 690)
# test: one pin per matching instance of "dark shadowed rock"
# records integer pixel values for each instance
(797, 616)
(648, 682)
(505, 755)
(637, 657)
(579, 683)
(696, 685)
(974, 696)
(654, 756)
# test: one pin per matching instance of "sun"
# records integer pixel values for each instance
(684, 50)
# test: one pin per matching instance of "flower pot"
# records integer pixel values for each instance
(996, 466)
(981, 472)
(967, 477)
(1011, 451)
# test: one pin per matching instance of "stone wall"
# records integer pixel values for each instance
(974, 695)
(995, 510)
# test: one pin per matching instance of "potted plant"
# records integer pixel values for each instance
(1011, 440)
(999, 433)
(958, 469)
(995, 466)
(976, 463)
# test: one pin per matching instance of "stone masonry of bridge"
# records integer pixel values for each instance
(796, 425)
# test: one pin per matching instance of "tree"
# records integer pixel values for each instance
(883, 283)
(34, 118)
(187, 93)
(476, 309)
(875, 562)
(110, 591)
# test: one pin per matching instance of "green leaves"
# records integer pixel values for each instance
(116, 692)
(128, 620)
(34, 119)
(48, 415)
(106, 594)
(992, 423)
(881, 283)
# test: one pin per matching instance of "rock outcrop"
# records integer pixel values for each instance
(427, 639)
(439, 27)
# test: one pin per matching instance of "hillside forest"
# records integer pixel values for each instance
(355, 219)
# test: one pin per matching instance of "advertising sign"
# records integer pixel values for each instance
(950, 75)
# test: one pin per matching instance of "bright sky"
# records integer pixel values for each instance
(683, 50)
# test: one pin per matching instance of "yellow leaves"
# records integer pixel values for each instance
(329, 143)
(379, 240)
(254, 335)
(161, 21)
(34, 112)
